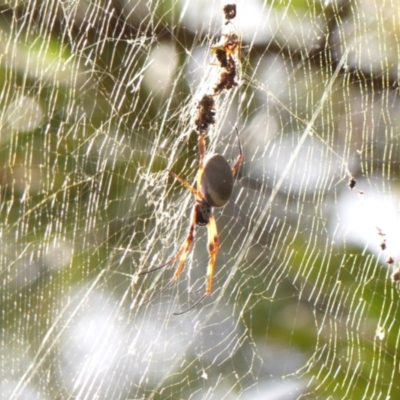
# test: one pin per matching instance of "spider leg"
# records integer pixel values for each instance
(196, 192)
(159, 293)
(193, 306)
(190, 237)
(239, 160)
(187, 245)
(181, 255)
(185, 249)
(187, 185)
(213, 248)
(163, 265)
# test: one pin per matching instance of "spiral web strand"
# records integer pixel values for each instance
(99, 100)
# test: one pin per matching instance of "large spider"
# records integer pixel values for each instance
(214, 188)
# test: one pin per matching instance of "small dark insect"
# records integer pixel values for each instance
(206, 114)
(352, 183)
(396, 276)
(380, 233)
(390, 260)
(232, 43)
(227, 52)
(382, 244)
(222, 58)
(227, 76)
(229, 43)
(215, 179)
(229, 11)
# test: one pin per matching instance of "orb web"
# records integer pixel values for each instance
(100, 100)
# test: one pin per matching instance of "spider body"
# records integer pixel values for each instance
(216, 187)
(215, 179)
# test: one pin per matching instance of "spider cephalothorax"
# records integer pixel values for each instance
(203, 211)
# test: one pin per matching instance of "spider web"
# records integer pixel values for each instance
(98, 102)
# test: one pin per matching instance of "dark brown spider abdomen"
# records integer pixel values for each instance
(217, 181)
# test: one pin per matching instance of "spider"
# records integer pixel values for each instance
(215, 179)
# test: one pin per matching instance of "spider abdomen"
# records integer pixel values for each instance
(217, 181)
